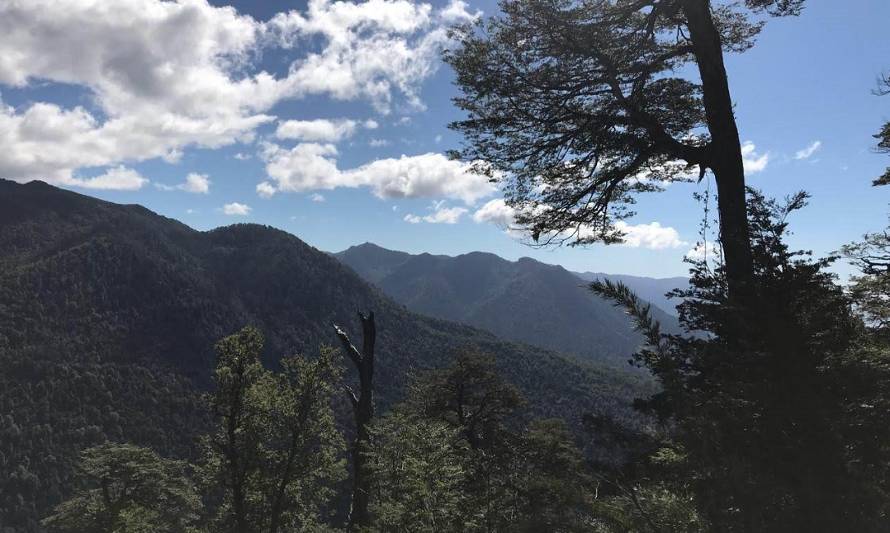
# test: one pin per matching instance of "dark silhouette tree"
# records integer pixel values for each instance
(575, 105)
(779, 429)
(363, 410)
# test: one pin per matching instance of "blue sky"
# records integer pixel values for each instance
(340, 141)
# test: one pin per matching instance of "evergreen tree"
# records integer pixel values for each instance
(277, 454)
(517, 477)
(762, 396)
(128, 489)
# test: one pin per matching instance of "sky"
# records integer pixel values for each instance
(330, 120)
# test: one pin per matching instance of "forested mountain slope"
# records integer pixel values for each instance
(523, 301)
(109, 313)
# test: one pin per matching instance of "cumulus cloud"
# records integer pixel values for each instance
(236, 209)
(806, 153)
(194, 183)
(322, 130)
(313, 166)
(753, 161)
(115, 179)
(496, 212)
(456, 12)
(164, 76)
(440, 215)
(318, 198)
(265, 189)
(652, 236)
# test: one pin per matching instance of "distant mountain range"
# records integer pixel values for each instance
(109, 313)
(653, 290)
(524, 301)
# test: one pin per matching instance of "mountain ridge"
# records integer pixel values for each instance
(109, 313)
(524, 301)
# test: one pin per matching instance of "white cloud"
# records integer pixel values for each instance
(322, 130)
(240, 156)
(753, 161)
(378, 143)
(265, 189)
(652, 236)
(312, 166)
(440, 215)
(805, 153)
(168, 75)
(318, 198)
(496, 212)
(456, 12)
(371, 124)
(114, 179)
(236, 209)
(194, 183)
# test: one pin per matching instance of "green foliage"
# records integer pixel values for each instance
(501, 474)
(652, 508)
(277, 454)
(109, 314)
(128, 489)
(469, 395)
(771, 403)
(53, 409)
(418, 467)
(552, 486)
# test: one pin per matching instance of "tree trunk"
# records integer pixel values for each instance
(726, 151)
(363, 409)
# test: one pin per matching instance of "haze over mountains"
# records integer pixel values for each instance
(524, 301)
(109, 314)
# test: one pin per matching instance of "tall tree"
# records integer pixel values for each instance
(883, 136)
(277, 453)
(128, 489)
(772, 425)
(575, 105)
(363, 411)
(470, 395)
(516, 478)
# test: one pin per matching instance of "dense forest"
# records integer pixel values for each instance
(460, 451)
(109, 314)
(156, 378)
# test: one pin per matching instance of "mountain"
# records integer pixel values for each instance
(524, 301)
(652, 290)
(108, 316)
